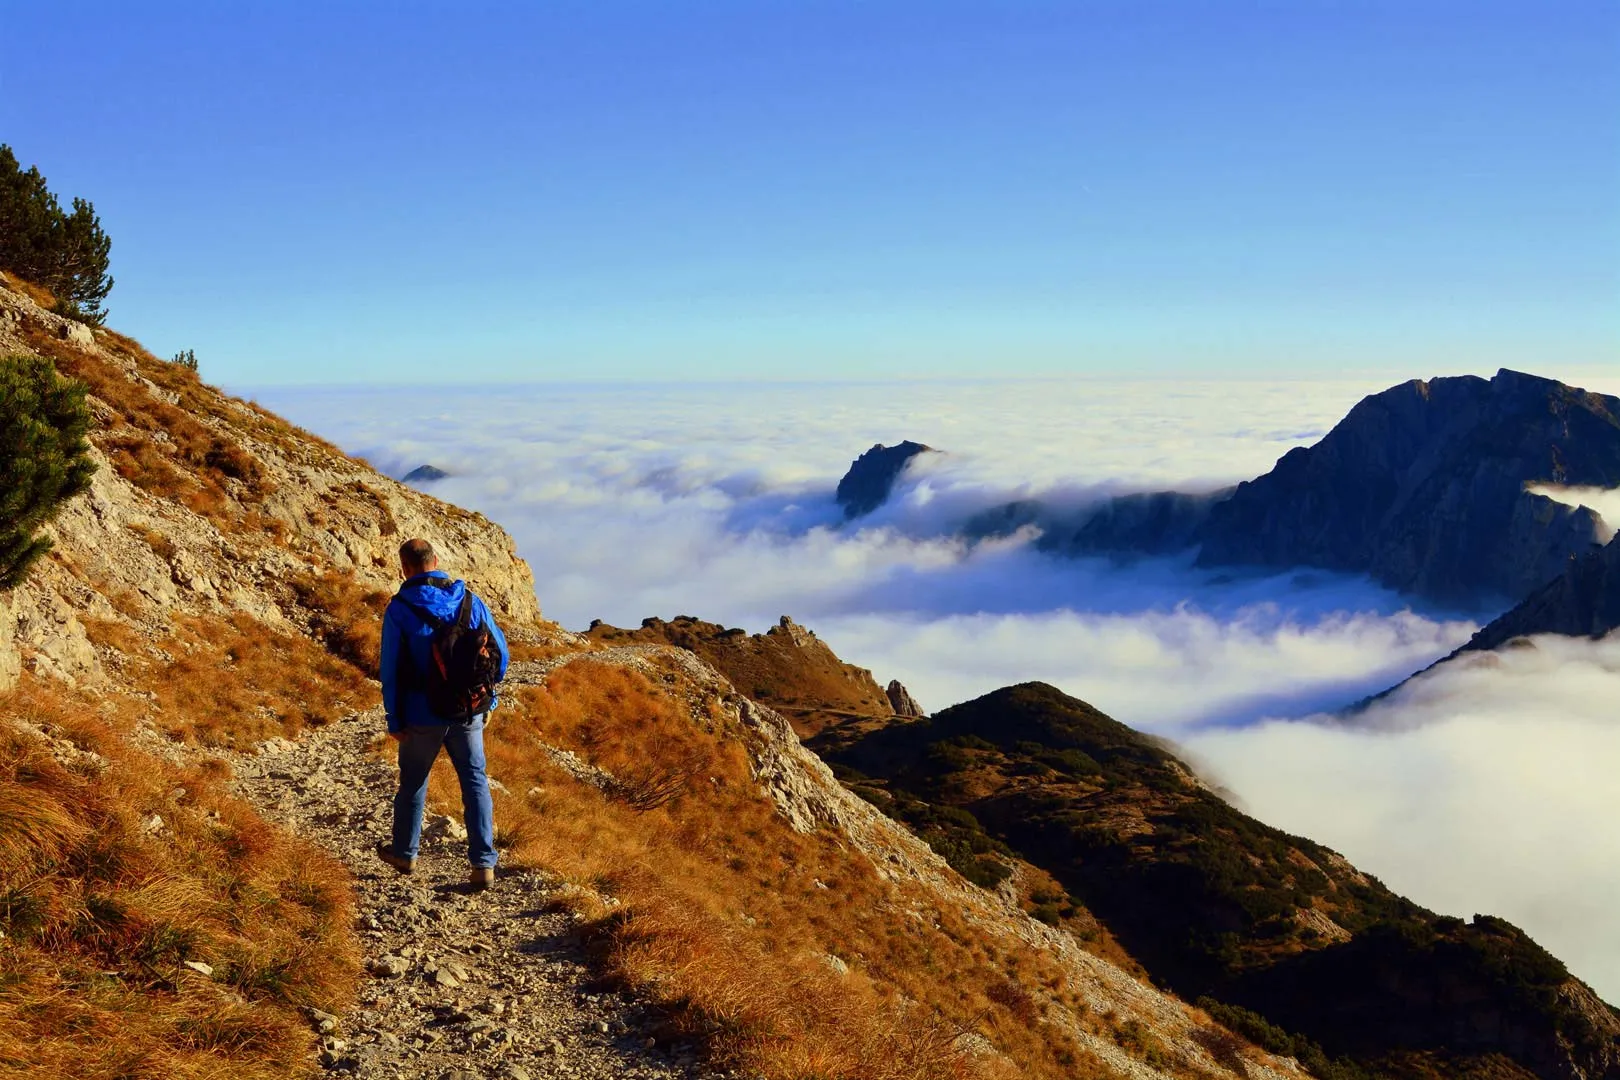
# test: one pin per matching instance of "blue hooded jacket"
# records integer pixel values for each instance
(402, 626)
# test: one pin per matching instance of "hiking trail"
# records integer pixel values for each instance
(459, 985)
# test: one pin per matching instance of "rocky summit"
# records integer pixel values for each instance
(424, 474)
(788, 668)
(871, 477)
(1423, 486)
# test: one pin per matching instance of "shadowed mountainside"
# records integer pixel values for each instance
(1424, 487)
(1216, 904)
(1583, 601)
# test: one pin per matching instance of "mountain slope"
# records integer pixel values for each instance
(210, 611)
(1583, 601)
(1215, 903)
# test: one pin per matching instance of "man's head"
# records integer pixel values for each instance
(417, 557)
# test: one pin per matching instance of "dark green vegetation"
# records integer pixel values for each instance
(44, 457)
(63, 252)
(1214, 903)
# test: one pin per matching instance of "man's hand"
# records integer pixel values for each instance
(397, 736)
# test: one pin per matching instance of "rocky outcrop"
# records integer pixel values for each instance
(870, 479)
(901, 701)
(1583, 601)
(1424, 487)
(788, 667)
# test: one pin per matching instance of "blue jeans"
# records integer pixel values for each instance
(417, 751)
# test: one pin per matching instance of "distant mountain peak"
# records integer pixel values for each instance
(872, 476)
(424, 474)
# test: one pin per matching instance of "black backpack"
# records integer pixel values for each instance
(464, 663)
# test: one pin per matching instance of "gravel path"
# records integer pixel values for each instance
(460, 985)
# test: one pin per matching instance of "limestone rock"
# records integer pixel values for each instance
(901, 701)
(77, 332)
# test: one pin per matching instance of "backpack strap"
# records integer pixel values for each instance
(464, 613)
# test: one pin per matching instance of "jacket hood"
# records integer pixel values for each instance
(440, 601)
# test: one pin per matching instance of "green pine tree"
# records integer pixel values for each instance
(66, 253)
(44, 457)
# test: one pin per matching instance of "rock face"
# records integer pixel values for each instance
(901, 701)
(1583, 601)
(871, 477)
(1423, 487)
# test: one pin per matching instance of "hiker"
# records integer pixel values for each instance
(442, 655)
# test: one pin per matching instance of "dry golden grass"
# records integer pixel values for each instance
(160, 447)
(116, 869)
(234, 682)
(38, 294)
(727, 917)
(346, 616)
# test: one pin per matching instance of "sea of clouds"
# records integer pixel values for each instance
(1481, 787)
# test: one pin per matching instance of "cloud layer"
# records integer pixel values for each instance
(716, 501)
(1484, 786)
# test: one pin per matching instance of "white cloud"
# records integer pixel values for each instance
(1605, 502)
(717, 501)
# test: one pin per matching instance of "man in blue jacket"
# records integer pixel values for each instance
(427, 595)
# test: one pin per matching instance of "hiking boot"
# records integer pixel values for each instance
(385, 852)
(481, 878)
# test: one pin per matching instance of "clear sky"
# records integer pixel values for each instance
(354, 192)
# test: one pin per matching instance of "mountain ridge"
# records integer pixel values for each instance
(210, 610)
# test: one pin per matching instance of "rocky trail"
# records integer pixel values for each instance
(459, 985)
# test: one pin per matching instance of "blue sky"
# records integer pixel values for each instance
(398, 192)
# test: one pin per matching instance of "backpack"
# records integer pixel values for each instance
(464, 663)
